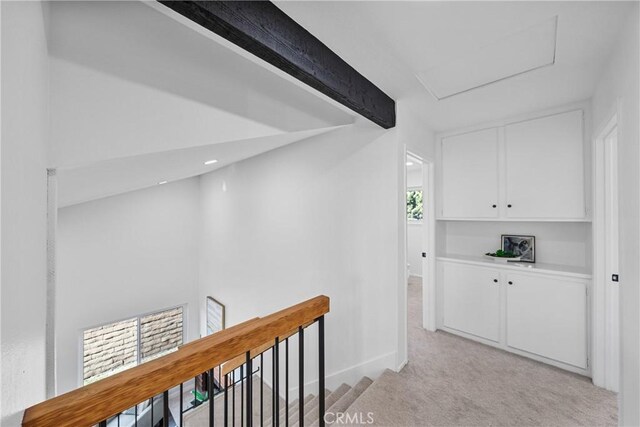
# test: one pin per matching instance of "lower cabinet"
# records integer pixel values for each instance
(547, 316)
(472, 300)
(542, 315)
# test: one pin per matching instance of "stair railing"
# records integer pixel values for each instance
(219, 355)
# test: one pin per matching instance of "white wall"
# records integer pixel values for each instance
(619, 85)
(123, 256)
(315, 217)
(24, 207)
(556, 243)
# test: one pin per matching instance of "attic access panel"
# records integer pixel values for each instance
(515, 54)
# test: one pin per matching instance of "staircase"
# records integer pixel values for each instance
(337, 403)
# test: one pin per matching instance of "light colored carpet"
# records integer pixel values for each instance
(451, 381)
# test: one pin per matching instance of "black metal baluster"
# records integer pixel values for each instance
(286, 381)
(241, 395)
(275, 416)
(103, 423)
(118, 420)
(211, 401)
(226, 400)
(181, 402)
(135, 414)
(261, 389)
(301, 374)
(321, 408)
(152, 423)
(233, 400)
(276, 380)
(249, 390)
(165, 408)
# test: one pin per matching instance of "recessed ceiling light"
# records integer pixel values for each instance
(162, 182)
(409, 163)
(210, 162)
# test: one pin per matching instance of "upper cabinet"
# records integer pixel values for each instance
(470, 175)
(545, 167)
(529, 170)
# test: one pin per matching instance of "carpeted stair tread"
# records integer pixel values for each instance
(293, 406)
(312, 416)
(311, 407)
(342, 404)
(381, 394)
(294, 411)
(315, 402)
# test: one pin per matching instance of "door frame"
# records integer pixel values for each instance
(428, 239)
(601, 316)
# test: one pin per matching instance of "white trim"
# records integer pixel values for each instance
(429, 213)
(402, 338)
(599, 366)
(50, 337)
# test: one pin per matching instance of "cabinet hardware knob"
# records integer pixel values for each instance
(511, 283)
(494, 206)
(508, 206)
(495, 280)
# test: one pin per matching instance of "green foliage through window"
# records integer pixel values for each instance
(414, 205)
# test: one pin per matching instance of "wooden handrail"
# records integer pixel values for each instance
(103, 399)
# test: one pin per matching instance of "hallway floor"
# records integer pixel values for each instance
(452, 381)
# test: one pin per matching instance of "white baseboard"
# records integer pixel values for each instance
(402, 365)
(371, 368)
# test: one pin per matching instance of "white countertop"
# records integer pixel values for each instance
(565, 270)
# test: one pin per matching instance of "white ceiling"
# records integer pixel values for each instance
(111, 177)
(390, 42)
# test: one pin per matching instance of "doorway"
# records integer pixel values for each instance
(606, 348)
(420, 233)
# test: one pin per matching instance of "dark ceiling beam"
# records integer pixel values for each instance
(262, 29)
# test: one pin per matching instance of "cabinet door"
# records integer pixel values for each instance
(470, 175)
(545, 167)
(472, 300)
(547, 316)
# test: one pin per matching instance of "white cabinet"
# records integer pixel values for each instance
(538, 313)
(472, 300)
(470, 175)
(547, 316)
(529, 170)
(544, 167)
